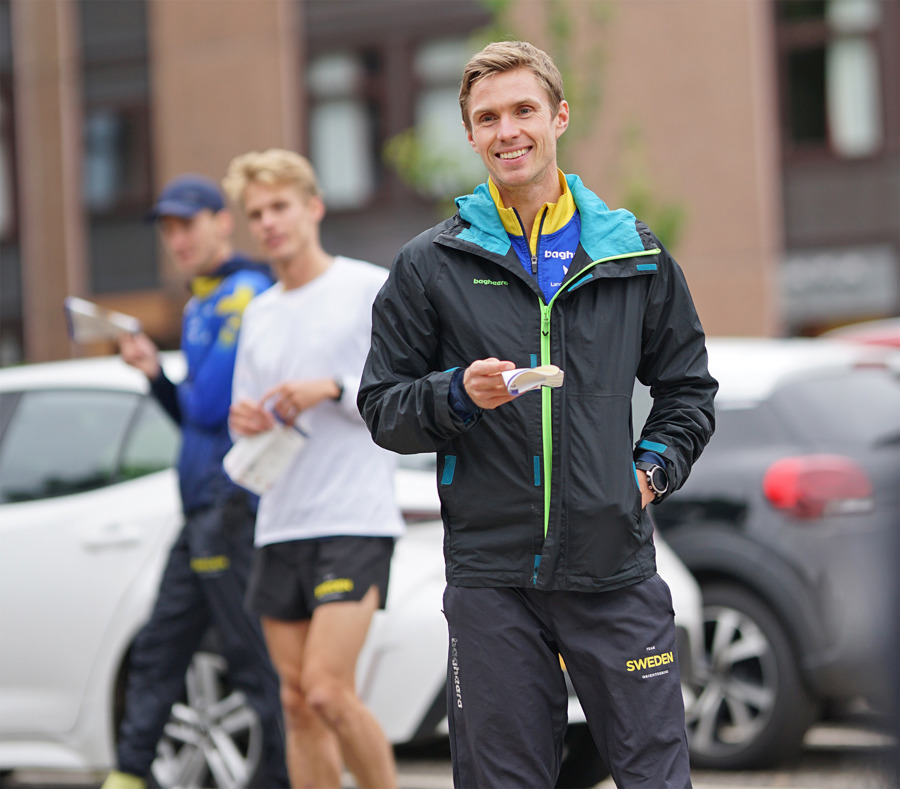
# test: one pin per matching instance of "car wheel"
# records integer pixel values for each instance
(213, 737)
(752, 709)
(582, 766)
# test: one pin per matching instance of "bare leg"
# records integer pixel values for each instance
(328, 679)
(312, 751)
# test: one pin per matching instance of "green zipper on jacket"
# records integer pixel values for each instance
(547, 392)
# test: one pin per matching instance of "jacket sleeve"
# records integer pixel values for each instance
(403, 395)
(674, 366)
(166, 394)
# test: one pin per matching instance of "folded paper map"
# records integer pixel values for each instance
(257, 462)
(523, 379)
(89, 322)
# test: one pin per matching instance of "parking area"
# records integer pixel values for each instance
(833, 757)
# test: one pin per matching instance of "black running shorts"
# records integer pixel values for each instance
(289, 580)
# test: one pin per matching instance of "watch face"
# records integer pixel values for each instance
(659, 480)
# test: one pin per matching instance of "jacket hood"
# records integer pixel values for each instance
(605, 233)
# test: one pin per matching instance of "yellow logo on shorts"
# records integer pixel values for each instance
(209, 564)
(333, 586)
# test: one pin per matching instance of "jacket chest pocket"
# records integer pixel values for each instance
(596, 336)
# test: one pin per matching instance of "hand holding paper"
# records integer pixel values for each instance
(524, 379)
(257, 462)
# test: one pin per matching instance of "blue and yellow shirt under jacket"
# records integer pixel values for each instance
(200, 403)
(548, 252)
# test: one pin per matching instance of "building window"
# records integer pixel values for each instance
(350, 99)
(117, 145)
(374, 71)
(343, 124)
(381, 83)
(831, 75)
(454, 168)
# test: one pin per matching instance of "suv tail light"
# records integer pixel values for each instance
(812, 486)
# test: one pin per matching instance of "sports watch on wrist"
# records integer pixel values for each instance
(657, 478)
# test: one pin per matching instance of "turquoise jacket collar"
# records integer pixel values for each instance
(605, 233)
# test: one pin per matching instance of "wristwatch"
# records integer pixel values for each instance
(657, 478)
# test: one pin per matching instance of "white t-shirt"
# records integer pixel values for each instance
(341, 482)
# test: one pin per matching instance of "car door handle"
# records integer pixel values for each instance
(112, 535)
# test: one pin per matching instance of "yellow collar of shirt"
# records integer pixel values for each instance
(557, 216)
(202, 286)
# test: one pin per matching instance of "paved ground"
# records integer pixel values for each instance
(835, 757)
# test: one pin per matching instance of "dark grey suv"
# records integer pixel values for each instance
(789, 521)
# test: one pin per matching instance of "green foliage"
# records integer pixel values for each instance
(427, 170)
(666, 218)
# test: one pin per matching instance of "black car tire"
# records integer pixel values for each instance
(582, 766)
(753, 708)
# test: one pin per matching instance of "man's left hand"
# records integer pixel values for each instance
(292, 397)
(647, 495)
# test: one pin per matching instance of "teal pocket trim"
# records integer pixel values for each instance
(449, 468)
(653, 446)
(537, 471)
(537, 565)
(646, 266)
(534, 358)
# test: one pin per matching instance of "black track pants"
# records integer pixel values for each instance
(507, 695)
(203, 584)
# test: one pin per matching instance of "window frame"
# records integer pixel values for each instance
(390, 36)
(792, 36)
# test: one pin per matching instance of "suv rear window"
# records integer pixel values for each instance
(860, 407)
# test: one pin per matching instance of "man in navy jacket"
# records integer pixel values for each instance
(206, 574)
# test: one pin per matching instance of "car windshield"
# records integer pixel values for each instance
(859, 409)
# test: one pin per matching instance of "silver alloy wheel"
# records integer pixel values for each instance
(214, 739)
(738, 684)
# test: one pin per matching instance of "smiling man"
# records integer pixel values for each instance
(548, 545)
(325, 531)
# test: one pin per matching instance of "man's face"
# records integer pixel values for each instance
(197, 244)
(515, 131)
(283, 223)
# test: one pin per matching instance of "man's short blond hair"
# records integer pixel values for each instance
(274, 167)
(502, 56)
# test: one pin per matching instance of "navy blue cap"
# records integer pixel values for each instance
(185, 196)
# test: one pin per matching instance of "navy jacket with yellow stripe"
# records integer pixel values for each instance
(542, 490)
(199, 404)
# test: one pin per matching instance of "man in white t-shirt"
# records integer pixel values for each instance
(325, 531)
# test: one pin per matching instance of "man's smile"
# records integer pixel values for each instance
(513, 154)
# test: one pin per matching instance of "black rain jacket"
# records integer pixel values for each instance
(541, 491)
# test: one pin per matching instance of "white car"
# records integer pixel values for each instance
(88, 509)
